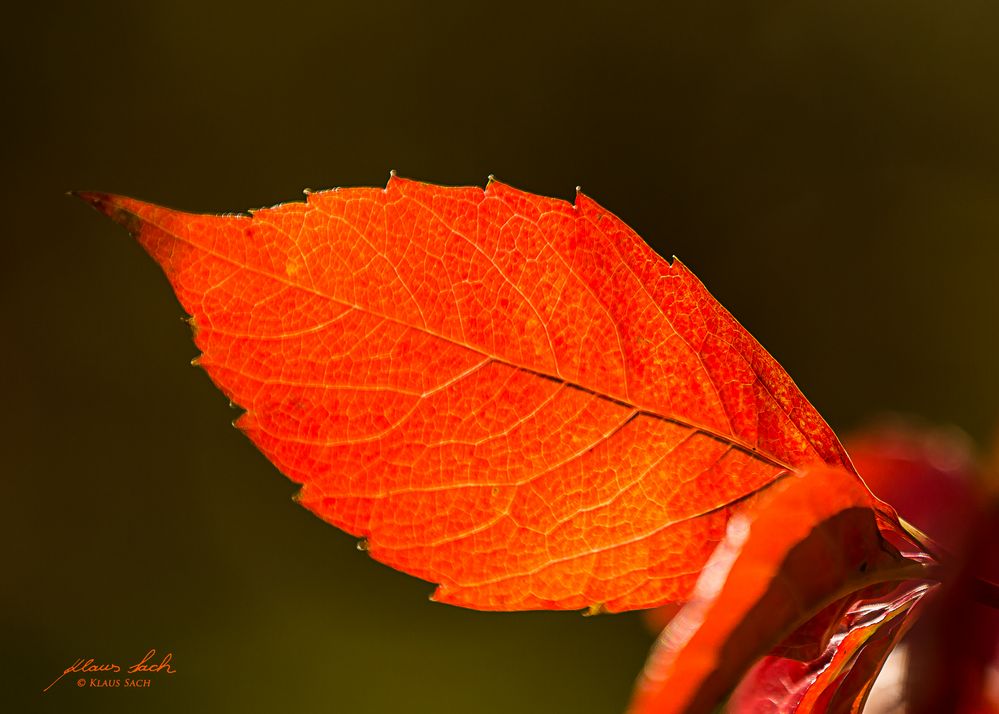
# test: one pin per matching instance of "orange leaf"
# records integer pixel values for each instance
(509, 395)
(796, 549)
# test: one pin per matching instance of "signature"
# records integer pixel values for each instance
(146, 664)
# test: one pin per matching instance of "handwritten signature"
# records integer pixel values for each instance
(89, 666)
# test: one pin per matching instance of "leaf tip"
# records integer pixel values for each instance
(112, 207)
(91, 197)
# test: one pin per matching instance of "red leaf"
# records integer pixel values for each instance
(509, 395)
(869, 623)
(798, 548)
(932, 477)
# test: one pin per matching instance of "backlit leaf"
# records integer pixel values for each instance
(509, 395)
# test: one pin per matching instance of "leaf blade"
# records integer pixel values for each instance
(404, 352)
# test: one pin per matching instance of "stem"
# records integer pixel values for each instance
(938, 552)
(982, 591)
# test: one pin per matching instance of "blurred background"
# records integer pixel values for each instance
(829, 170)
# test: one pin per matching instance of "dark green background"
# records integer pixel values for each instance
(830, 170)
